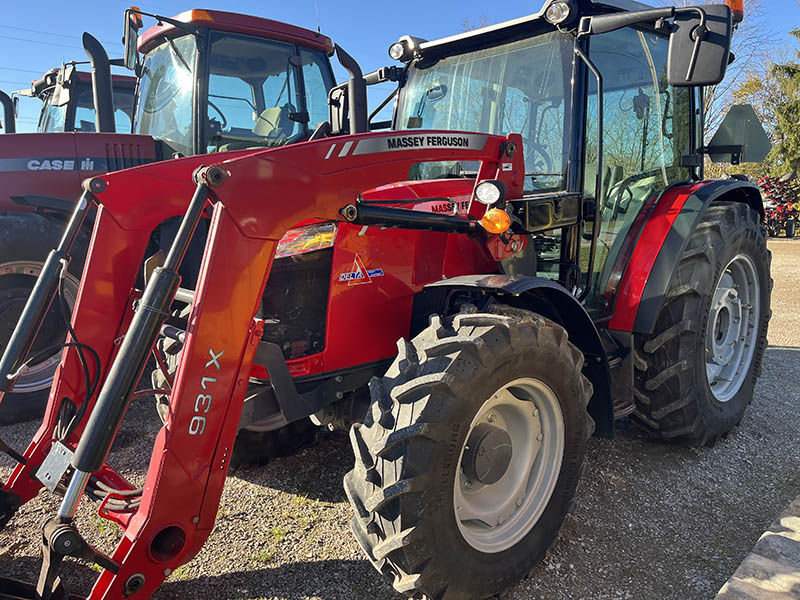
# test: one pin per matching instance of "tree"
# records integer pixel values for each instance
(787, 111)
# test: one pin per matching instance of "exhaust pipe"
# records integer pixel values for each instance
(102, 88)
(9, 122)
(356, 92)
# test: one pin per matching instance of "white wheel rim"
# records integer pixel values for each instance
(38, 376)
(732, 329)
(493, 518)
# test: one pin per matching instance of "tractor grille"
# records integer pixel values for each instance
(124, 156)
(295, 303)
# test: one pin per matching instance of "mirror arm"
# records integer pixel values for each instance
(379, 108)
(187, 27)
(614, 21)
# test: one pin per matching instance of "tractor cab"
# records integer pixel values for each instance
(213, 81)
(607, 117)
(68, 101)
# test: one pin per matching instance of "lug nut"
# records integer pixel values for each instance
(539, 437)
(535, 412)
(468, 484)
(491, 418)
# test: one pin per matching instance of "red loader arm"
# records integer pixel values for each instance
(262, 196)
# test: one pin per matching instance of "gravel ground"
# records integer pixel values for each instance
(651, 520)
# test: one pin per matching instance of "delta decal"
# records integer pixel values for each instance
(359, 274)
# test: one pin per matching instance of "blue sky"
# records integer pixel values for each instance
(36, 37)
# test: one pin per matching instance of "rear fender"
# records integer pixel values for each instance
(544, 297)
(654, 259)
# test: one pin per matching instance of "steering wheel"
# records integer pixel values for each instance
(542, 164)
(620, 204)
(219, 112)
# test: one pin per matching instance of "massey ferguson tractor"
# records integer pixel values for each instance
(234, 82)
(536, 232)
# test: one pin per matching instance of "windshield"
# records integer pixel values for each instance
(519, 87)
(166, 88)
(54, 118)
(256, 92)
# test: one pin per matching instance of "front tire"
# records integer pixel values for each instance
(25, 241)
(433, 513)
(696, 372)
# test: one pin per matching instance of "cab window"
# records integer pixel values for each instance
(645, 132)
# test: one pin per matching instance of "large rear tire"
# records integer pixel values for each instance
(470, 454)
(696, 372)
(25, 241)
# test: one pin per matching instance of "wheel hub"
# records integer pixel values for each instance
(726, 315)
(487, 454)
(732, 328)
(17, 279)
(509, 465)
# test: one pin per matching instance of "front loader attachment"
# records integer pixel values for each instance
(253, 200)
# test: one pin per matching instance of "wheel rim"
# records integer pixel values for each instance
(495, 517)
(16, 282)
(732, 330)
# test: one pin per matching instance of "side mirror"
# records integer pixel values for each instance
(699, 45)
(62, 91)
(338, 110)
(130, 36)
(740, 138)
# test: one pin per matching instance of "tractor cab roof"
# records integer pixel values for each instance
(236, 23)
(506, 29)
(43, 85)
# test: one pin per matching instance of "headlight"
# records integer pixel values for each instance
(559, 12)
(490, 192)
(308, 238)
(397, 50)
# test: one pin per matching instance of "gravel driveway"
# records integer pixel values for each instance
(650, 520)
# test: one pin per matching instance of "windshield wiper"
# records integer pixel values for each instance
(178, 54)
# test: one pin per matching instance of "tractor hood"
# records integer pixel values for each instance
(278, 188)
(52, 165)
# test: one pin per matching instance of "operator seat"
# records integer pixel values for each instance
(272, 124)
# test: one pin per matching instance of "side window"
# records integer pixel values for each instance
(123, 110)
(231, 102)
(84, 111)
(52, 118)
(317, 81)
(645, 132)
(253, 93)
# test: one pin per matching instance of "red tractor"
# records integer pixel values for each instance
(535, 230)
(67, 99)
(236, 82)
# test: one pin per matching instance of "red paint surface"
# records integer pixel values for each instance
(645, 252)
(267, 193)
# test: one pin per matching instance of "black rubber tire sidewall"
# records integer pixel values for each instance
(30, 237)
(478, 569)
(720, 417)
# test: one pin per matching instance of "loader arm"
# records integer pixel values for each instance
(263, 194)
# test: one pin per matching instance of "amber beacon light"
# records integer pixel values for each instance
(737, 8)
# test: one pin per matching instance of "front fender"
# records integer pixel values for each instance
(548, 299)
